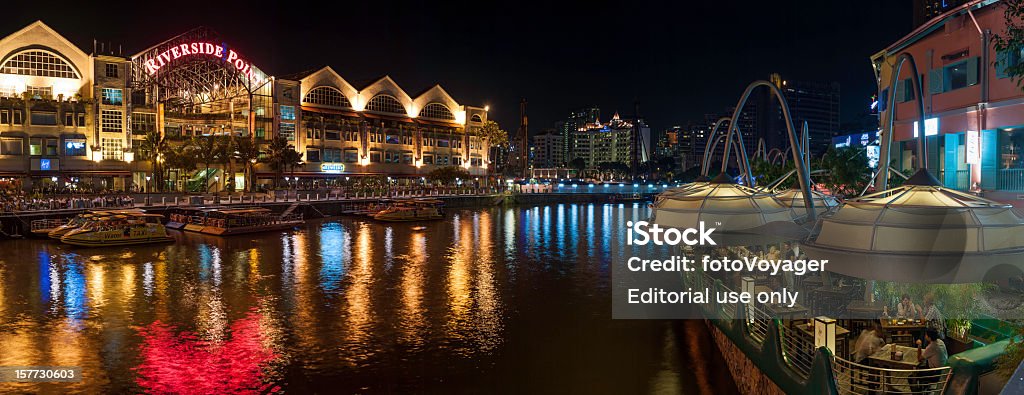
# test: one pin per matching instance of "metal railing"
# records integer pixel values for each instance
(1011, 179)
(41, 224)
(963, 180)
(797, 349)
(855, 378)
(759, 322)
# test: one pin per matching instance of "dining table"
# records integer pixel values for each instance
(897, 372)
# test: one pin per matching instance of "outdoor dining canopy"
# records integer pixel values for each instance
(731, 209)
(921, 232)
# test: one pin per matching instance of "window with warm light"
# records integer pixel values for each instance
(111, 121)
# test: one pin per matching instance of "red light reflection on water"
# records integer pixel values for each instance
(181, 363)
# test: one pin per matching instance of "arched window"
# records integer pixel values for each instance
(327, 96)
(437, 111)
(38, 63)
(476, 118)
(385, 103)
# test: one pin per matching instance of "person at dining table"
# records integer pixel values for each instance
(934, 355)
(932, 316)
(906, 308)
(869, 342)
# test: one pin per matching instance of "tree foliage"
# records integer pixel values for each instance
(1011, 41)
(448, 174)
(766, 172)
(492, 134)
(847, 168)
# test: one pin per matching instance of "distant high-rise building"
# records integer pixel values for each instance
(548, 150)
(817, 103)
(617, 141)
(925, 10)
(580, 119)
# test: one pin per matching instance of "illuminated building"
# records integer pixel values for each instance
(547, 150)
(576, 121)
(612, 142)
(67, 116)
(817, 103)
(974, 129)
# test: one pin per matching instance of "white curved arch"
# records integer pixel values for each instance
(39, 62)
(327, 96)
(385, 103)
(437, 111)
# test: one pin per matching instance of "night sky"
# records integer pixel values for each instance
(679, 59)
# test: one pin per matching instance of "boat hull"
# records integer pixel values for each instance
(218, 231)
(83, 242)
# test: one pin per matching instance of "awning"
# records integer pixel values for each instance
(395, 117)
(93, 173)
(329, 111)
(68, 136)
(446, 124)
(13, 134)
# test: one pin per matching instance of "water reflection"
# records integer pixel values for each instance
(512, 298)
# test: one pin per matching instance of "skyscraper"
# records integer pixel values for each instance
(817, 103)
(578, 120)
(548, 150)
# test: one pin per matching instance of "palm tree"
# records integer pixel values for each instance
(247, 152)
(153, 148)
(224, 152)
(182, 157)
(281, 156)
(205, 153)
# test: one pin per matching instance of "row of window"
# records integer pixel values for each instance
(953, 76)
(351, 155)
(45, 118)
(111, 149)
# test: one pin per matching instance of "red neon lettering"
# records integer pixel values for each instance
(174, 51)
(184, 50)
(195, 48)
(209, 48)
(151, 66)
(232, 56)
(161, 58)
(240, 64)
(219, 52)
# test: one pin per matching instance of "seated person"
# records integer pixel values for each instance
(906, 308)
(869, 342)
(933, 356)
(933, 317)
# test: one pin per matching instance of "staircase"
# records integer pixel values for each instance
(290, 209)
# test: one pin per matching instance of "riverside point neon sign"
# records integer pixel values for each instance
(191, 49)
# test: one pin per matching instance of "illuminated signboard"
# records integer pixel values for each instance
(332, 167)
(44, 164)
(973, 148)
(192, 49)
(931, 127)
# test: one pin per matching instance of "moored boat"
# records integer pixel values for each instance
(230, 221)
(119, 229)
(84, 218)
(411, 210)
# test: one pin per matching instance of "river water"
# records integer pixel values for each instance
(496, 300)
